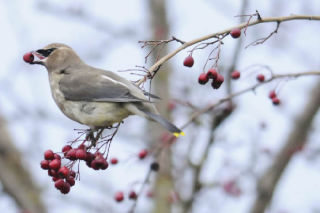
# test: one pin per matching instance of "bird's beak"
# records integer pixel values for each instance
(34, 57)
(38, 58)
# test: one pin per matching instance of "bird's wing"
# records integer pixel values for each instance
(99, 87)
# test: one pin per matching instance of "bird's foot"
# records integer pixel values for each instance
(89, 135)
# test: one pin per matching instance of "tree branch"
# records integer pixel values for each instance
(226, 31)
(252, 88)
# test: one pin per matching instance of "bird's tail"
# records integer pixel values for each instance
(145, 111)
(165, 123)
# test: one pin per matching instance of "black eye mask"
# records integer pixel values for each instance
(45, 53)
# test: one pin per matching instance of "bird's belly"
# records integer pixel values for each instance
(95, 113)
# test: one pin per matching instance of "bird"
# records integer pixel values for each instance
(91, 96)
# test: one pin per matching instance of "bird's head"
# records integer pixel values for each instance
(54, 57)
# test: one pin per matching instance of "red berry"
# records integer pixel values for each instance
(235, 33)
(143, 153)
(104, 166)
(94, 165)
(65, 149)
(275, 101)
(49, 155)
(44, 164)
(81, 154)
(114, 161)
(235, 74)
(63, 172)
(203, 78)
(65, 188)
(59, 183)
(133, 195)
(90, 156)
(216, 83)
(260, 77)
(55, 164)
(71, 181)
(272, 94)
(220, 79)
(119, 196)
(188, 61)
(57, 156)
(71, 154)
(101, 163)
(53, 173)
(55, 179)
(212, 73)
(28, 57)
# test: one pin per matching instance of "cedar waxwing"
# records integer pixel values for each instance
(91, 96)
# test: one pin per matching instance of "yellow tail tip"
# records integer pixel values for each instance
(178, 134)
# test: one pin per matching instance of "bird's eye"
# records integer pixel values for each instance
(46, 52)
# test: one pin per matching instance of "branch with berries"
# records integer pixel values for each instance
(213, 74)
(261, 81)
(167, 142)
(93, 150)
(235, 32)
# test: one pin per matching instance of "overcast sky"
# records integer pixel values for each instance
(105, 34)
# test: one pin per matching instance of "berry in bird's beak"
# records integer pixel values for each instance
(28, 57)
(31, 56)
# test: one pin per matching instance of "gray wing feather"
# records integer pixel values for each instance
(93, 86)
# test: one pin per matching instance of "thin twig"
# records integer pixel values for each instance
(262, 40)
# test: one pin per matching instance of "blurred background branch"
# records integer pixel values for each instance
(296, 140)
(15, 178)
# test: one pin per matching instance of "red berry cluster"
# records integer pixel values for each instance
(63, 177)
(217, 79)
(274, 98)
(95, 160)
